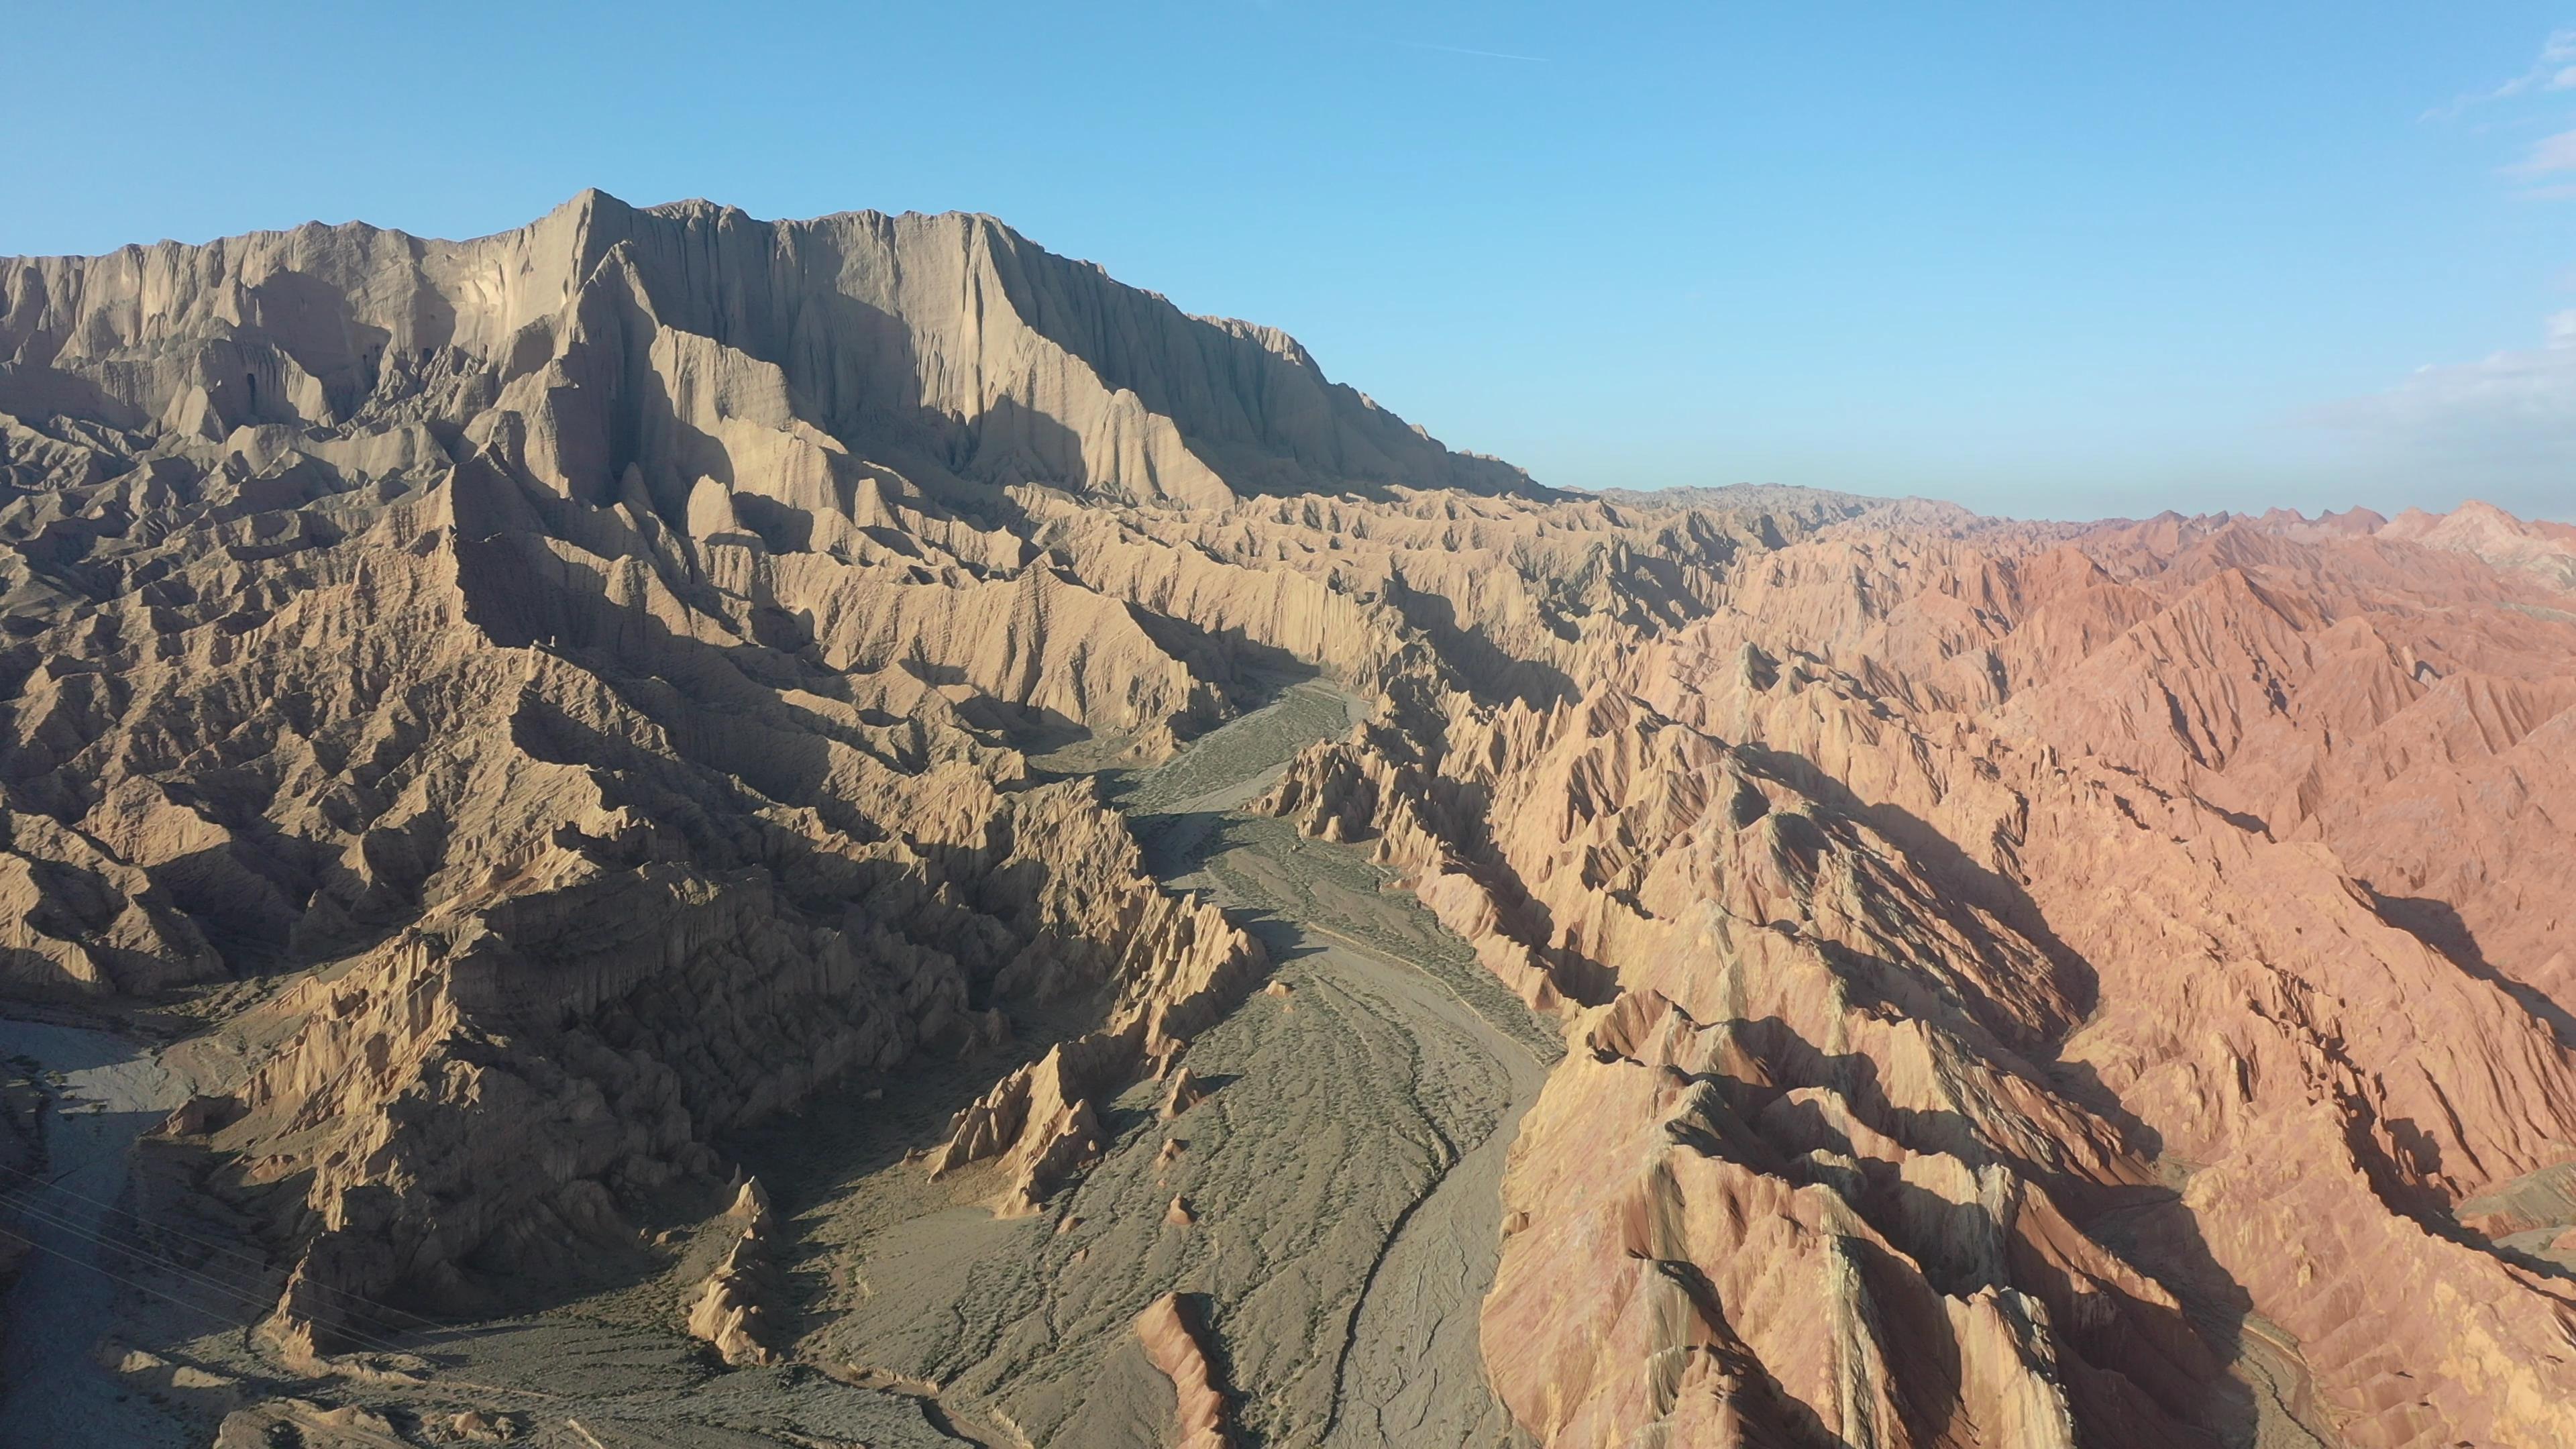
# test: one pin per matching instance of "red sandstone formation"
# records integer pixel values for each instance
(2045, 951)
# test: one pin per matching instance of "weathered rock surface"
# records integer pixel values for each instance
(1170, 1332)
(738, 1304)
(1041, 1121)
(2095, 966)
(556, 703)
(1182, 1092)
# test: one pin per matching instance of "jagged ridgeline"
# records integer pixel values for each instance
(743, 801)
(583, 681)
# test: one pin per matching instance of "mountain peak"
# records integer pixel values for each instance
(943, 345)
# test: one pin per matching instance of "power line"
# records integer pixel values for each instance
(254, 1302)
(55, 1185)
(128, 1282)
(331, 1083)
(200, 1309)
(384, 1316)
(251, 1303)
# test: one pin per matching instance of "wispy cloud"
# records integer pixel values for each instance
(2549, 156)
(2514, 402)
(2555, 70)
(2510, 415)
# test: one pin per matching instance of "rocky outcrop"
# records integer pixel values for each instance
(301, 1421)
(738, 1304)
(1041, 1121)
(1173, 1340)
(1181, 1093)
(84, 922)
(941, 338)
(605, 682)
(1885, 870)
(2543, 549)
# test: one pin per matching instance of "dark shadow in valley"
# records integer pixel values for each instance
(2439, 926)
(1956, 874)
(2176, 1360)
(1251, 674)
(2149, 1226)
(1180, 844)
(1481, 667)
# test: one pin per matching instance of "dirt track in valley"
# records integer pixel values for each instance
(1343, 1176)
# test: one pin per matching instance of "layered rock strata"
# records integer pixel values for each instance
(561, 699)
(1993, 953)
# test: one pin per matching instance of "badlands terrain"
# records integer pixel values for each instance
(672, 830)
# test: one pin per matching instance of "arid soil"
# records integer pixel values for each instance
(666, 829)
(1341, 1173)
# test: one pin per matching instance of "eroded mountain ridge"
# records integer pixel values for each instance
(551, 714)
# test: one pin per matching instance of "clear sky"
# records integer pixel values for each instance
(2045, 259)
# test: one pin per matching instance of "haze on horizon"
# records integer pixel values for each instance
(2044, 264)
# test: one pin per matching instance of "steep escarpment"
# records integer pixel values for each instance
(587, 669)
(941, 344)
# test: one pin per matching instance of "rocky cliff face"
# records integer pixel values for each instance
(587, 666)
(2057, 988)
(562, 700)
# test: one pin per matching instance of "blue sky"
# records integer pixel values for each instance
(2043, 259)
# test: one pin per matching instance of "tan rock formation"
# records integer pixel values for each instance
(737, 1303)
(1040, 1121)
(476, 1427)
(602, 684)
(1170, 1331)
(750, 1208)
(301, 1421)
(1184, 1092)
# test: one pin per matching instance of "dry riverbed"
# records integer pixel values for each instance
(1341, 1183)
(1342, 1180)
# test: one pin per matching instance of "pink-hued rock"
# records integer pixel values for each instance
(2021, 948)
(1170, 1331)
